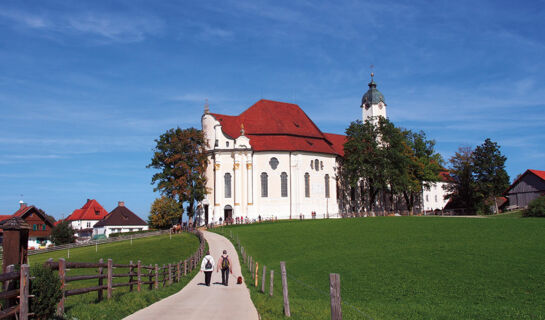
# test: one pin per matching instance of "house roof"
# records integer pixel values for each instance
(445, 176)
(538, 173)
(24, 210)
(338, 141)
(277, 126)
(121, 216)
(91, 210)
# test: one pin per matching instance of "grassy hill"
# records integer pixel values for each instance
(404, 267)
(159, 249)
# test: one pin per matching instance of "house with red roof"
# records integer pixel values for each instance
(433, 195)
(39, 223)
(82, 220)
(527, 187)
(120, 219)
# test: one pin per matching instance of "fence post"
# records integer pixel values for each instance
(271, 284)
(24, 284)
(150, 277)
(263, 279)
(156, 276)
(110, 278)
(169, 274)
(185, 267)
(164, 275)
(139, 276)
(100, 280)
(250, 264)
(178, 271)
(255, 273)
(287, 312)
(62, 274)
(335, 292)
(131, 270)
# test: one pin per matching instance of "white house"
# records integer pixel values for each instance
(120, 219)
(82, 220)
(433, 198)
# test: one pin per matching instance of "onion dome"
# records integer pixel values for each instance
(372, 96)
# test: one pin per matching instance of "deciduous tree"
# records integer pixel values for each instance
(63, 233)
(180, 157)
(164, 213)
(462, 189)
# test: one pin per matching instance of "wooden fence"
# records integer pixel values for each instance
(138, 277)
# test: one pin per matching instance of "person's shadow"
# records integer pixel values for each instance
(204, 284)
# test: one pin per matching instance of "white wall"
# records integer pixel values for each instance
(434, 197)
(107, 230)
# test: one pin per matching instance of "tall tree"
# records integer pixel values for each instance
(422, 166)
(164, 213)
(462, 189)
(490, 175)
(180, 155)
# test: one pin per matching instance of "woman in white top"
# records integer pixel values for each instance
(207, 265)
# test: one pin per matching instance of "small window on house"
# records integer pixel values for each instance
(326, 186)
(88, 224)
(284, 184)
(427, 199)
(227, 144)
(311, 164)
(264, 185)
(34, 227)
(227, 178)
(97, 212)
(217, 143)
(307, 185)
(43, 227)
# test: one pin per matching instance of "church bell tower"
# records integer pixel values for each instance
(372, 103)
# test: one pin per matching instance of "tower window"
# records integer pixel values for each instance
(264, 185)
(284, 184)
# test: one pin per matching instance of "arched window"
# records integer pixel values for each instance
(264, 185)
(327, 186)
(307, 185)
(284, 184)
(317, 164)
(311, 164)
(227, 178)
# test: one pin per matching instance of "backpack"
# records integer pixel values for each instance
(225, 263)
(208, 264)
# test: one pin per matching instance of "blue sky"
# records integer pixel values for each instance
(85, 88)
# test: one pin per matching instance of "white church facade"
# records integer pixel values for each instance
(272, 161)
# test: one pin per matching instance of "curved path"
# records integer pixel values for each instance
(197, 301)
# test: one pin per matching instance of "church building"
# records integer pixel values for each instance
(272, 161)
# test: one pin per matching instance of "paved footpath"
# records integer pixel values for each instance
(197, 301)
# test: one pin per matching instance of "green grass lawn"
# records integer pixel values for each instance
(159, 249)
(403, 267)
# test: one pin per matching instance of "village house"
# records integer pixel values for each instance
(433, 198)
(529, 186)
(40, 225)
(82, 220)
(120, 219)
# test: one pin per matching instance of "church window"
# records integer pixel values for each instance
(327, 186)
(227, 144)
(316, 164)
(284, 184)
(352, 193)
(427, 198)
(321, 165)
(435, 198)
(217, 143)
(307, 185)
(311, 164)
(273, 163)
(264, 185)
(227, 178)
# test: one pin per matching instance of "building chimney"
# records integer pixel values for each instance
(22, 204)
(121, 203)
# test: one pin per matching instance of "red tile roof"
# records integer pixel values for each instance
(5, 217)
(338, 141)
(92, 210)
(538, 173)
(445, 176)
(277, 126)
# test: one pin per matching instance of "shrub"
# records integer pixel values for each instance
(63, 233)
(536, 208)
(46, 288)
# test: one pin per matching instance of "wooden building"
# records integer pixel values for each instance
(40, 225)
(530, 185)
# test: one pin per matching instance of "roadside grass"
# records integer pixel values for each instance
(509, 215)
(153, 250)
(401, 267)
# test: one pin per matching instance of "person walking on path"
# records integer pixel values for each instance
(207, 265)
(225, 265)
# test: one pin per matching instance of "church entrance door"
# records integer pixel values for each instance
(228, 214)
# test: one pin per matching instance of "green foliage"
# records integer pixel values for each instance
(180, 155)
(164, 213)
(63, 233)
(536, 208)
(46, 288)
(462, 189)
(402, 267)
